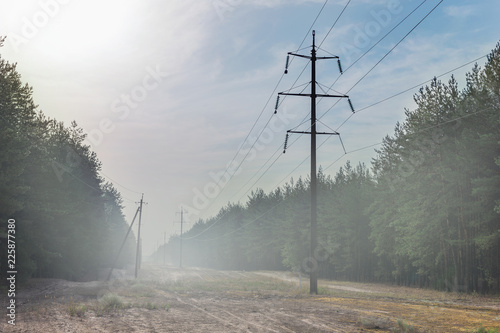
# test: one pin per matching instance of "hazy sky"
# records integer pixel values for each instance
(169, 90)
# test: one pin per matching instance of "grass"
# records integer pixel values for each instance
(404, 326)
(151, 306)
(386, 324)
(222, 285)
(325, 291)
(137, 293)
(139, 289)
(77, 310)
(112, 303)
(109, 303)
(151, 296)
(482, 329)
(375, 323)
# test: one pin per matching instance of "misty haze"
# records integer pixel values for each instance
(250, 166)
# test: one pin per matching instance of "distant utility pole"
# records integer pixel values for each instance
(138, 253)
(314, 238)
(164, 247)
(121, 247)
(182, 222)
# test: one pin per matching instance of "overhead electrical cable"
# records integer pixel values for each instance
(122, 186)
(349, 152)
(359, 110)
(373, 46)
(272, 94)
(385, 56)
(274, 91)
(262, 111)
(334, 23)
(411, 134)
(364, 76)
(66, 168)
(231, 175)
(396, 45)
(412, 88)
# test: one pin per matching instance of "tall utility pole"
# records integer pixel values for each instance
(313, 289)
(138, 253)
(182, 222)
(164, 247)
(121, 247)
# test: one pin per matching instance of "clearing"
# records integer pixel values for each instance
(169, 299)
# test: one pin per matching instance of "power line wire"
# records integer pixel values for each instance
(385, 56)
(410, 134)
(347, 153)
(330, 88)
(358, 82)
(389, 52)
(262, 111)
(384, 100)
(122, 186)
(66, 168)
(334, 23)
(378, 42)
(273, 92)
(421, 84)
(352, 151)
(310, 28)
(364, 76)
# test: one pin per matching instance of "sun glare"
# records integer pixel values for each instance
(80, 29)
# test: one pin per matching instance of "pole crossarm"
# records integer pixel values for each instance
(300, 55)
(303, 132)
(310, 58)
(309, 95)
(322, 58)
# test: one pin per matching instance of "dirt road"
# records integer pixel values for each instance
(167, 299)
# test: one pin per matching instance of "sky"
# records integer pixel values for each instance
(177, 97)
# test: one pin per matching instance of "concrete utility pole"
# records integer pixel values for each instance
(121, 247)
(138, 253)
(314, 237)
(182, 222)
(164, 247)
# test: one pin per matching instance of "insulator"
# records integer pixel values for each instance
(286, 66)
(277, 103)
(286, 143)
(340, 66)
(350, 104)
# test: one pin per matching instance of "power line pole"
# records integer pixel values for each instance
(313, 289)
(182, 222)
(164, 247)
(138, 253)
(121, 247)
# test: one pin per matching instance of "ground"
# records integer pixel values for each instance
(169, 299)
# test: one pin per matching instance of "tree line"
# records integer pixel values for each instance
(69, 221)
(426, 213)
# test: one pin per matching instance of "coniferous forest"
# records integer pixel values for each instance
(425, 213)
(68, 220)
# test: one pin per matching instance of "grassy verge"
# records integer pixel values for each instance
(483, 329)
(113, 303)
(232, 285)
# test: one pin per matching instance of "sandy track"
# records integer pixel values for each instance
(200, 300)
